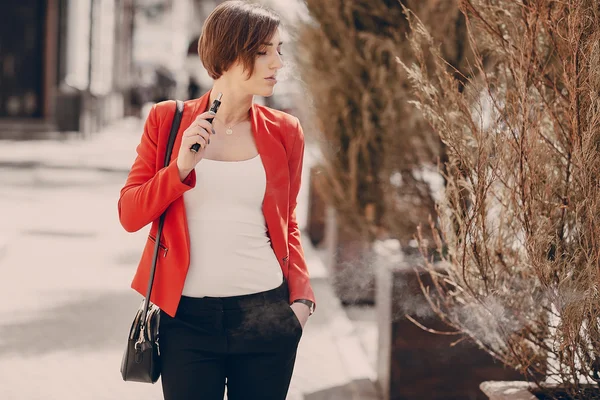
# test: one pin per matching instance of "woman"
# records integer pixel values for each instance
(231, 281)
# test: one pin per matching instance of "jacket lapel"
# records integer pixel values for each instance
(274, 161)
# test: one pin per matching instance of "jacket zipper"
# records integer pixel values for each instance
(160, 245)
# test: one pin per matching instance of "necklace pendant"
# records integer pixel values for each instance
(229, 131)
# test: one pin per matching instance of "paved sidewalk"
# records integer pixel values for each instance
(65, 302)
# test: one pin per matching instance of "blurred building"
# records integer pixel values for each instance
(161, 35)
(64, 64)
(193, 65)
(77, 65)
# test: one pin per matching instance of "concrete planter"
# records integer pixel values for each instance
(520, 390)
(352, 270)
(349, 256)
(349, 262)
(415, 364)
(507, 390)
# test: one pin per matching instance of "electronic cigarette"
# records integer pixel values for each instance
(214, 107)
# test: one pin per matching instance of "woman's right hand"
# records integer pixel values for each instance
(199, 132)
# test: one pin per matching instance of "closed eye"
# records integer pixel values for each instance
(264, 53)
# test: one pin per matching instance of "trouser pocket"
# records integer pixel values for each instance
(294, 319)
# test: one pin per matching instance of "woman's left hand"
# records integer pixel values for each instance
(302, 312)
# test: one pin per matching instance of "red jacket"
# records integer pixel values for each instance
(150, 189)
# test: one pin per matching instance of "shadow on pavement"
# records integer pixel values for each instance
(67, 167)
(98, 323)
(62, 234)
(54, 178)
(362, 389)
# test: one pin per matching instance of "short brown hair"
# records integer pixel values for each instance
(235, 30)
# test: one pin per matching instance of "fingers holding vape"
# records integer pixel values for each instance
(212, 111)
(200, 136)
(199, 132)
(195, 139)
(202, 129)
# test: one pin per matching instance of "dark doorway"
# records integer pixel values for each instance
(22, 25)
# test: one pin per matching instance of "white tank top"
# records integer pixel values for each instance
(230, 253)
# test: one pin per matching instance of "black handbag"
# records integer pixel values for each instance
(141, 360)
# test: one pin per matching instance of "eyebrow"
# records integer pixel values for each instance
(271, 44)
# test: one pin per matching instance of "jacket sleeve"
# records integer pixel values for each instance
(299, 280)
(149, 190)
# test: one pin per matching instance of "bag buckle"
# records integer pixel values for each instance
(141, 339)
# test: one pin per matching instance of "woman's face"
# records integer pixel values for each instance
(268, 61)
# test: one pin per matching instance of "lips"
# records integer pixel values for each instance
(271, 79)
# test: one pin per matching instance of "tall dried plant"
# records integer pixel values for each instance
(521, 212)
(372, 141)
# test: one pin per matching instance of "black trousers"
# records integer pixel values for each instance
(247, 343)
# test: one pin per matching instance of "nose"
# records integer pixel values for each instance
(277, 62)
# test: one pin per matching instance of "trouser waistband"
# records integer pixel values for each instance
(232, 302)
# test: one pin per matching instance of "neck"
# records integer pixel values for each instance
(234, 105)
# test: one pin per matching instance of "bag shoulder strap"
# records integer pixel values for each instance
(174, 129)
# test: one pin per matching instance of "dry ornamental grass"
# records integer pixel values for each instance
(373, 141)
(519, 225)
